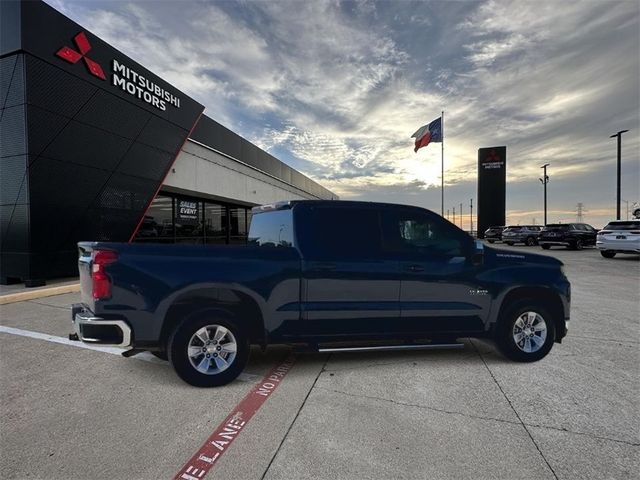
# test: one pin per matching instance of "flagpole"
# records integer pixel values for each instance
(442, 168)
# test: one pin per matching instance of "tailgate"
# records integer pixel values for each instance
(84, 267)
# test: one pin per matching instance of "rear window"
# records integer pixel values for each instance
(630, 225)
(272, 229)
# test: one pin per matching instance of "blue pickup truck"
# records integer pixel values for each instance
(320, 275)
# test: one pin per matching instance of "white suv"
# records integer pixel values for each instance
(619, 236)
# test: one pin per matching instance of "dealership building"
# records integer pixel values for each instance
(94, 146)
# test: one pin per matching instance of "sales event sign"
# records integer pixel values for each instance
(187, 212)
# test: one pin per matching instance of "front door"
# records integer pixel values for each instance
(349, 287)
(440, 290)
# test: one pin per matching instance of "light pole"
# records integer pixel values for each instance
(619, 135)
(471, 215)
(544, 180)
(461, 216)
(454, 215)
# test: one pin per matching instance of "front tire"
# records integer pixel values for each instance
(491, 241)
(530, 242)
(607, 253)
(577, 245)
(525, 331)
(208, 351)
(509, 243)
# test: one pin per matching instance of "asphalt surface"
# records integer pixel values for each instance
(74, 413)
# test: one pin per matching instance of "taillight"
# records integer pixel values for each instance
(101, 281)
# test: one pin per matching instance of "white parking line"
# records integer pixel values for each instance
(145, 356)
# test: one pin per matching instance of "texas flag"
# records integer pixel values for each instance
(428, 133)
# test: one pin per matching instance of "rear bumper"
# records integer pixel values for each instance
(618, 246)
(96, 330)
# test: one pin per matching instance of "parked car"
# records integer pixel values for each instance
(331, 275)
(493, 234)
(619, 236)
(527, 234)
(571, 235)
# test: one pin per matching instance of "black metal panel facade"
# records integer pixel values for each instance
(492, 178)
(80, 158)
(14, 185)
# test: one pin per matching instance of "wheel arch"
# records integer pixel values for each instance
(546, 296)
(225, 302)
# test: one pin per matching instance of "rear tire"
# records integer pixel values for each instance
(491, 241)
(509, 243)
(545, 246)
(577, 244)
(607, 253)
(525, 325)
(208, 351)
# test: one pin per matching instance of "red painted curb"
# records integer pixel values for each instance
(225, 433)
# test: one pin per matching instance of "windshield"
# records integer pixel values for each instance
(630, 225)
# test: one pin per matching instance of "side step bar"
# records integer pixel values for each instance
(383, 348)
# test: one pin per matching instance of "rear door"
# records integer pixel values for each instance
(440, 290)
(349, 286)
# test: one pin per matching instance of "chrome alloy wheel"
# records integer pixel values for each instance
(212, 349)
(530, 332)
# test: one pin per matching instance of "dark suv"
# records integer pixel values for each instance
(571, 235)
(527, 234)
(493, 234)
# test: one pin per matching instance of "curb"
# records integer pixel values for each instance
(40, 293)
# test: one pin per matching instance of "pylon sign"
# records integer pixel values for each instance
(492, 179)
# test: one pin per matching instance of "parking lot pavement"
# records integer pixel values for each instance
(75, 413)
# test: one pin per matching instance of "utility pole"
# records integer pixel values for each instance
(471, 215)
(544, 180)
(447, 214)
(618, 169)
(461, 216)
(454, 215)
(627, 202)
(580, 211)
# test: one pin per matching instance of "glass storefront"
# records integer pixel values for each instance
(180, 219)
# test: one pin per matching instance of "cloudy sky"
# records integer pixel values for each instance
(335, 89)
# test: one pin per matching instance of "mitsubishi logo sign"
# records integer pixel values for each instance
(73, 56)
(123, 77)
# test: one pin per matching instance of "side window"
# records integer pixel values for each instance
(272, 229)
(340, 232)
(414, 232)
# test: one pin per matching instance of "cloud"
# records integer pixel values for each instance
(336, 88)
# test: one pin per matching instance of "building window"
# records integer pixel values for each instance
(157, 225)
(238, 225)
(215, 223)
(178, 219)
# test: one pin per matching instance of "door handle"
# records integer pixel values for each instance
(324, 266)
(415, 268)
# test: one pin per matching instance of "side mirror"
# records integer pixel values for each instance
(477, 255)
